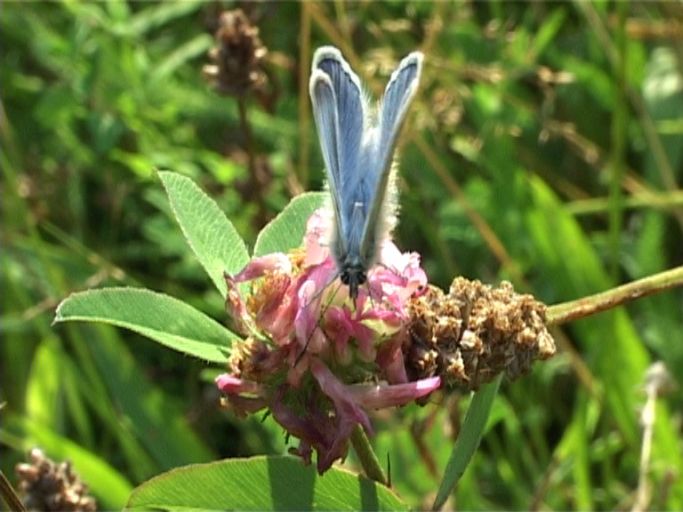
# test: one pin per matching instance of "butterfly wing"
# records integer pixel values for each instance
(398, 96)
(338, 109)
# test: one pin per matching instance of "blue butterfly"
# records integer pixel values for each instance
(358, 146)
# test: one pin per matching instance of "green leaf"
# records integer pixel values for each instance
(183, 53)
(210, 234)
(575, 267)
(261, 483)
(158, 419)
(468, 440)
(548, 30)
(44, 386)
(169, 321)
(574, 446)
(157, 15)
(286, 231)
(415, 481)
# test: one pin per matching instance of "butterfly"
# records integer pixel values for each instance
(358, 144)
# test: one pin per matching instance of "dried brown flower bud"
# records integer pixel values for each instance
(238, 56)
(46, 485)
(475, 332)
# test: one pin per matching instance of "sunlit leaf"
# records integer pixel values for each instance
(261, 483)
(286, 231)
(468, 440)
(44, 386)
(169, 321)
(210, 234)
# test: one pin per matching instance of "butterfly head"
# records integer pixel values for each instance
(353, 276)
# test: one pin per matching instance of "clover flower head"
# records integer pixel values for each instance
(316, 359)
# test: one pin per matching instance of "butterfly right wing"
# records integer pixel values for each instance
(338, 110)
(398, 96)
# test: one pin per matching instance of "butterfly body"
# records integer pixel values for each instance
(358, 149)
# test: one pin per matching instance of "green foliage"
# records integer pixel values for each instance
(468, 441)
(544, 147)
(162, 318)
(261, 483)
(211, 236)
(286, 231)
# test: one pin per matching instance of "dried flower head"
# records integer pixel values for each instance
(315, 358)
(237, 58)
(47, 485)
(475, 332)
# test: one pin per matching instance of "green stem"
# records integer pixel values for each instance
(586, 306)
(468, 440)
(660, 200)
(367, 457)
(9, 495)
(618, 132)
(248, 138)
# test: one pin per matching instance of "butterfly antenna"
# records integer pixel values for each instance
(318, 325)
(372, 299)
(390, 269)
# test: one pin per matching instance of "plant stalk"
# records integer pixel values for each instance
(367, 457)
(246, 131)
(9, 494)
(587, 306)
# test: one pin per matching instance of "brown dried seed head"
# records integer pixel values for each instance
(46, 485)
(237, 60)
(475, 332)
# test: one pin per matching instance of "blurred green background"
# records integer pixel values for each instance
(545, 147)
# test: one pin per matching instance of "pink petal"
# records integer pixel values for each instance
(296, 424)
(390, 359)
(381, 396)
(230, 384)
(258, 266)
(306, 318)
(243, 405)
(310, 290)
(277, 316)
(315, 429)
(316, 240)
(346, 406)
(235, 306)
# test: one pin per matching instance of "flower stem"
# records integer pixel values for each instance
(248, 139)
(658, 381)
(9, 494)
(587, 306)
(367, 457)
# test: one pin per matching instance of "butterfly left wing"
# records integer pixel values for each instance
(339, 110)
